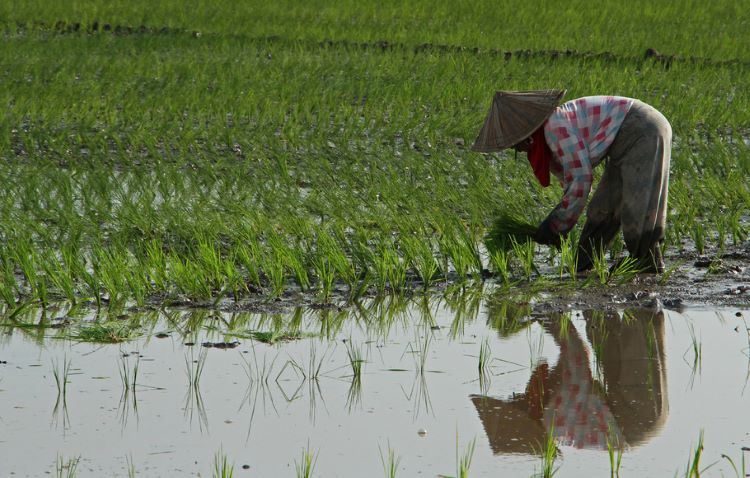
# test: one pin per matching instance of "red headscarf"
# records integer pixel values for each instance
(540, 156)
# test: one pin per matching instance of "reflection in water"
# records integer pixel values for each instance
(623, 399)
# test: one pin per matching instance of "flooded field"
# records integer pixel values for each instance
(419, 381)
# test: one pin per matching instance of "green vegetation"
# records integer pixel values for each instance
(151, 163)
(306, 464)
(67, 469)
(463, 462)
(509, 228)
(166, 155)
(222, 468)
(111, 332)
(390, 462)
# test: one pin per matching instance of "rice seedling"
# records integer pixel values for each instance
(614, 452)
(549, 454)
(306, 465)
(130, 466)
(107, 332)
(228, 201)
(222, 468)
(741, 471)
(524, 252)
(422, 259)
(326, 273)
(463, 461)
(501, 263)
(389, 461)
(698, 233)
(507, 228)
(568, 258)
(693, 468)
(67, 469)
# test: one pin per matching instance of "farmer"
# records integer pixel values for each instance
(569, 140)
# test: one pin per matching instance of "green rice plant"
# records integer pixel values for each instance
(109, 267)
(460, 249)
(698, 233)
(291, 258)
(61, 277)
(94, 286)
(549, 455)
(524, 252)
(8, 284)
(624, 271)
(463, 461)
(500, 261)
(600, 265)
(326, 273)
(188, 277)
(138, 282)
(248, 254)
(306, 465)
(614, 452)
(507, 228)
(568, 258)
(693, 469)
(233, 280)
(421, 258)
(222, 468)
(67, 469)
(741, 471)
(111, 332)
(343, 266)
(739, 232)
(130, 466)
(390, 462)
(274, 271)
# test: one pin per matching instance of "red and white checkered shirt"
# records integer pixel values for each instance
(579, 133)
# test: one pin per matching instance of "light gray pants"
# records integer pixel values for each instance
(632, 192)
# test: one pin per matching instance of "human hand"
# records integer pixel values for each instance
(545, 235)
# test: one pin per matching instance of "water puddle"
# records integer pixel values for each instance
(197, 383)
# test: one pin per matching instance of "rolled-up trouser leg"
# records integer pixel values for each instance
(642, 151)
(602, 216)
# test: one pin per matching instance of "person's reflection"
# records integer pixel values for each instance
(624, 400)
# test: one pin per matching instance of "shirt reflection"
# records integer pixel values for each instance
(624, 399)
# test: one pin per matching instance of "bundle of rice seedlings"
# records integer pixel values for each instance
(506, 227)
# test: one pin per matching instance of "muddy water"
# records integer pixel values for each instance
(631, 375)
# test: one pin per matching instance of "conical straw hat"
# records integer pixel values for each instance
(513, 116)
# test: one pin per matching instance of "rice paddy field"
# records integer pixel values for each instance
(251, 239)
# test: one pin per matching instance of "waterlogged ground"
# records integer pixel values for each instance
(649, 378)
